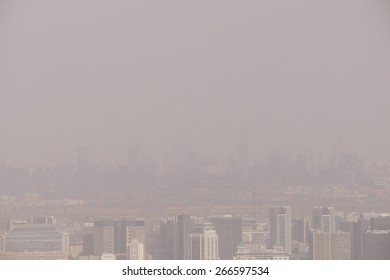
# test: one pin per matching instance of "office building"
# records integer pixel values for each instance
(280, 228)
(380, 223)
(113, 237)
(135, 250)
(229, 230)
(324, 219)
(330, 246)
(377, 245)
(203, 242)
(37, 239)
(257, 251)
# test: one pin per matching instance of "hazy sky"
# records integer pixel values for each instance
(299, 73)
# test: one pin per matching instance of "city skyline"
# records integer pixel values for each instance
(298, 75)
(194, 129)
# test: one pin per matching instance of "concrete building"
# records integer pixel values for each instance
(324, 219)
(135, 250)
(256, 251)
(330, 246)
(37, 239)
(203, 242)
(103, 237)
(280, 228)
(113, 237)
(380, 223)
(229, 230)
(377, 245)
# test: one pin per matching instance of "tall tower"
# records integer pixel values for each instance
(324, 219)
(133, 159)
(182, 231)
(103, 237)
(229, 230)
(136, 230)
(203, 242)
(330, 246)
(113, 237)
(243, 152)
(135, 250)
(280, 227)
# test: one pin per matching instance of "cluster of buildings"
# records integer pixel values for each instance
(42, 238)
(326, 235)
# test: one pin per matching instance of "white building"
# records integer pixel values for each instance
(280, 228)
(324, 219)
(135, 250)
(203, 242)
(36, 239)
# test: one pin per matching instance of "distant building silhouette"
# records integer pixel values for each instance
(82, 157)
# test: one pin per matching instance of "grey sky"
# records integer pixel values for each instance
(299, 73)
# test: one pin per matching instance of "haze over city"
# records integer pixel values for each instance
(146, 129)
(299, 75)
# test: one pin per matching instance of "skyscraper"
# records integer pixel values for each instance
(243, 152)
(380, 223)
(133, 159)
(229, 230)
(330, 246)
(113, 237)
(280, 227)
(203, 242)
(183, 230)
(324, 219)
(103, 237)
(135, 250)
(377, 245)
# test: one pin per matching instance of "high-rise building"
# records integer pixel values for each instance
(182, 231)
(357, 247)
(324, 219)
(326, 242)
(229, 230)
(103, 237)
(356, 228)
(37, 239)
(280, 228)
(203, 242)
(300, 229)
(136, 230)
(88, 229)
(167, 238)
(135, 250)
(330, 246)
(377, 245)
(174, 234)
(113, 237)
(380, 223)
